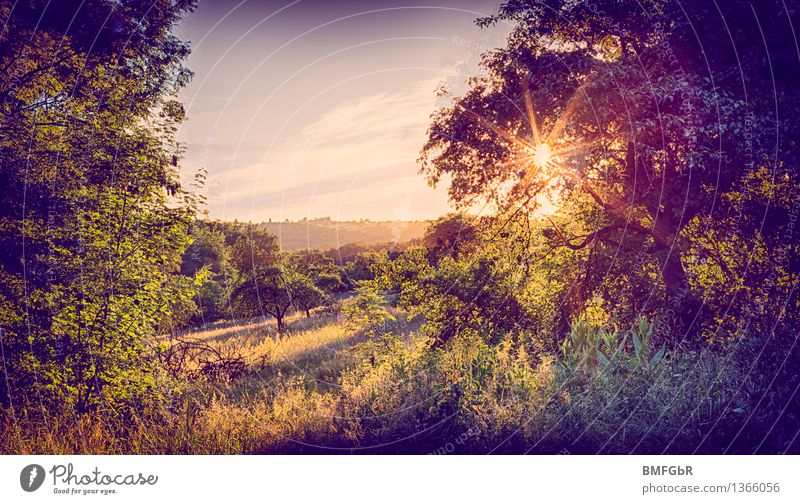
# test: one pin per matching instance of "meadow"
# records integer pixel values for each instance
(324, 387)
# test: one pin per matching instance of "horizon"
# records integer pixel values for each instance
(302, 220)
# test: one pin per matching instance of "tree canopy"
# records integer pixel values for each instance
(650, 135)
(93, 218)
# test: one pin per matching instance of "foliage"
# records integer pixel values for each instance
(366, 311)
(87, 135)
(647, 146)
(452, 235)
(307, 296)
(255, 251)
(318, 267)
(526, 330)
(587, 346)
(477, 292)
(365, 266)
(267, 293)
(208, 259)
(408, 396)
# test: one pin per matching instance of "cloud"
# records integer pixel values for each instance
(364, 149)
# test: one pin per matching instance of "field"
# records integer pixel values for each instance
(285, 394)
(323, 387)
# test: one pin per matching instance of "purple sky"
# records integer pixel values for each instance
(313, 109)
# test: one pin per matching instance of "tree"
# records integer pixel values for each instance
(93, 217)
(367, 310)
(207, 259)
(318, 267)
(346, 253)
(266, 293)
(255, 251)
(452, 235)
(306, 296)
(364, 266)
(330, 283)
(312, 262)
(401, 276)
(635, 132)
(477, 292)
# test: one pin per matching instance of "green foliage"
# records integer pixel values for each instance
(367, 311)
(365, 266)
(267, 293)
(226, 258)
(586, 346)
(477, 292)
(320, 269)
(452, 235)
(307, 296)
(656, 164)
(207, 260)
(330, 283)
(521, 331)
(402, 276)
(87, 134)
(254, 251)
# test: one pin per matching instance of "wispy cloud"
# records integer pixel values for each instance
(358, 158)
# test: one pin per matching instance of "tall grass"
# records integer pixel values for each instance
(321, 387)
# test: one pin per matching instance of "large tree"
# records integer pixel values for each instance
(93, 217)
(254, 250)
(267, 292)
(647, 122)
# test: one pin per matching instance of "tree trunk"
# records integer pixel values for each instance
(681, 300)
(279, 318)
(308, 314)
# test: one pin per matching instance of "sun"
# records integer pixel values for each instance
(542, 155)
(542, 150)
(539, 155)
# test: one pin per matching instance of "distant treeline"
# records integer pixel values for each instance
(324, 233)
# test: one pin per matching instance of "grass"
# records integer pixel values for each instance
(321, 387)
(253, 413)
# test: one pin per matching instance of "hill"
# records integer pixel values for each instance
(324, 233)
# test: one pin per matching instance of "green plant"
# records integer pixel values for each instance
(642, 336)
(586, 345)
(367, 311)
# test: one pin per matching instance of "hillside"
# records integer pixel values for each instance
(325, 233)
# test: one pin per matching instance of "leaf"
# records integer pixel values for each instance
(637, 345)
(642, 325)
(603, 358)
(658, 356)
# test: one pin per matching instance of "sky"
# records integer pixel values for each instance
(305, 109)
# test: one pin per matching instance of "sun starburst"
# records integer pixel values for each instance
(542, 155)
(538, 159)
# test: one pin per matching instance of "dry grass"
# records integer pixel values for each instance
(275, 402)
(320, 387)
(317, 347)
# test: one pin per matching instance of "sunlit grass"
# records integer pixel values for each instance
(317, 387)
